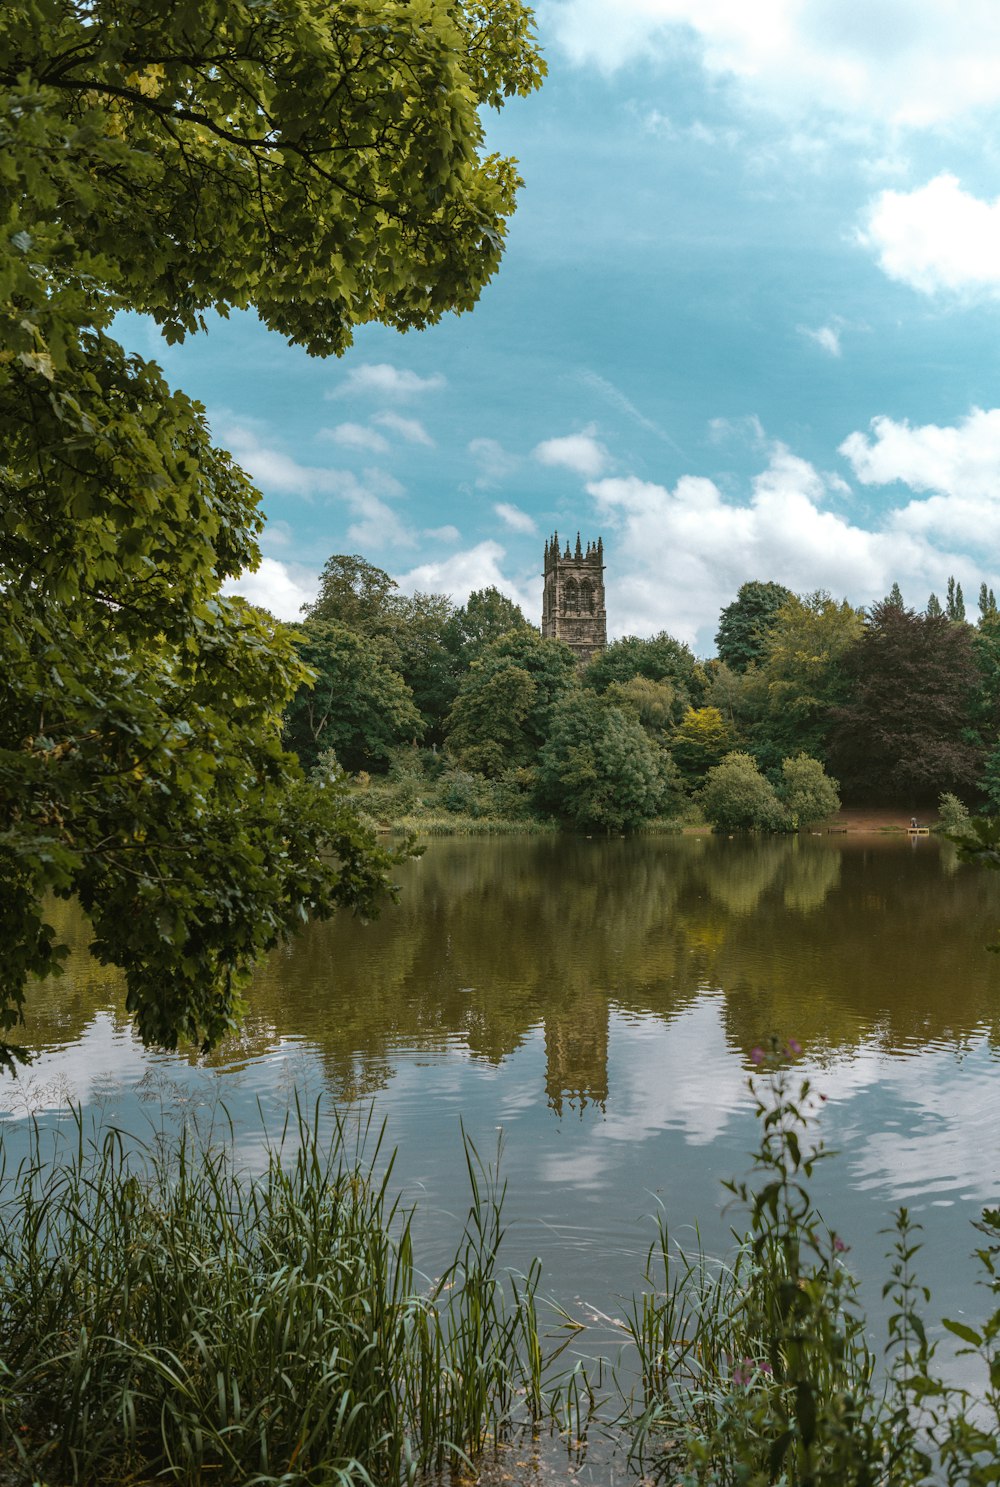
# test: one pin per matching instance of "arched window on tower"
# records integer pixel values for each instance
(571, 597)
(586, 597)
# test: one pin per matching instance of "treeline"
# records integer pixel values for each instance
(467, 710)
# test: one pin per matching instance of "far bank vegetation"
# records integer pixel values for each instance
(462, 718)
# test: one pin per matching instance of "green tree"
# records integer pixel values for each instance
(485, 616)
(659, 659)
(700, 742)
(324, 166)
(987, 603)
(652, 703)
(489, 728)
(904, 734)
(743, 625)
(737, 797)
(412, 632)
(895, 597)
(807, 791)
(598, 770)
(934, 605)
(497, 719)
(801, 670)
(356, 704)
(955, 602)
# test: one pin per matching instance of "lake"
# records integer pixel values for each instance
(597, 1002)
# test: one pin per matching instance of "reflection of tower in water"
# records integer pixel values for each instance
(576, 1054)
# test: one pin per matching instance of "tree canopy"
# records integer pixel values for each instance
(744, 624)
(325, 166)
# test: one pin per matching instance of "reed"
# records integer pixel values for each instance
(165, 1314)
(760, 1370)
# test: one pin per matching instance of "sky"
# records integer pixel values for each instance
(747, 326)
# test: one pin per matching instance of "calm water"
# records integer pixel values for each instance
(597, 1001)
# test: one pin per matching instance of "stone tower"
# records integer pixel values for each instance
(573, 600)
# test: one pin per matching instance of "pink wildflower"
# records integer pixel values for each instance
(757, 1056)
(794, 1047)
(838, 1244)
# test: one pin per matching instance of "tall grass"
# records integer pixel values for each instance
(761, 1370)
(163, 1313)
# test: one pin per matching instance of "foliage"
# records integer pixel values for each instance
(741, 639)
(699, 743)
(599, 771)
(505, 702)
(324, 166)
(761, 1371)
(659, 659)
(354, 593)
(356, 704)
(801, 669)
(955, 603)
(737, 797)
(163, 1314)
(485, 616)
(652, 703)
(953, 816)
(903, 735)
(806, 790)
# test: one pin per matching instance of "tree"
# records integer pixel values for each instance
(353, 592)
(987, 603)
(934, 605)
(489, 728)
(324, 166)
(700, 742)
(801, 669)
(737, 797)
(652, 703)
(356, 704)
(743, 625)
(895, 597)
(598, 771)
(659, 659)
(904, 734)
(806, 790)
(955, 602)
(498, 719)
(485, 616)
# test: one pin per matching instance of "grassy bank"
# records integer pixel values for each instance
(163, 1314)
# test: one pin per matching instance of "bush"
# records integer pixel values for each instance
(807, 791)
(737, 797)
(954, 816)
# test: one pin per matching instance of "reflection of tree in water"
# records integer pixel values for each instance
(810, 876)
(738, 873)
(826, 940)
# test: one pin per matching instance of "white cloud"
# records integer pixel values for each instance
(709, 544)
(515, 518)
(904, 61)
(381, 379)
(365, 496)
(495, 464)
(827, 337)
(447, 534)
(959, 464)
(581, 453)
(937, 238)
(356, 436)
(410, 429)
(276, 587)
(476, 568)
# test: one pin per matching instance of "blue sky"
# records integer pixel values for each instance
(747, 326)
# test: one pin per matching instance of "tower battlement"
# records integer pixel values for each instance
(573, 598)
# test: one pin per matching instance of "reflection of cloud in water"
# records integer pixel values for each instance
(939, 1133)
(687, 1077)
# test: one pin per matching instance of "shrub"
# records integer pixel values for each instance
(954, 816)
(737, 797)
(807, 791)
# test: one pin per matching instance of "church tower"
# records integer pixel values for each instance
(573, 600)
